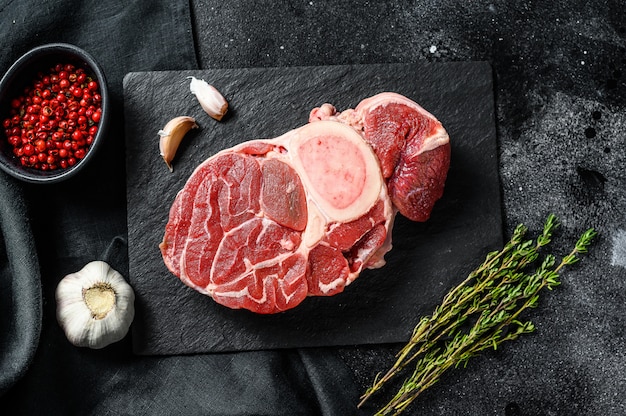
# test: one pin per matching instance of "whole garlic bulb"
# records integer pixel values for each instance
(95, 306)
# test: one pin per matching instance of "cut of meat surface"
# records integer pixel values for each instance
(266, 223)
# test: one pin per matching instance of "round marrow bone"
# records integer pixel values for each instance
(340, 170)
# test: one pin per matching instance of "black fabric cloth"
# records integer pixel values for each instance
(20, 287)
(84, 219)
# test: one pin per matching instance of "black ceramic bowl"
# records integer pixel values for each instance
(21, 74)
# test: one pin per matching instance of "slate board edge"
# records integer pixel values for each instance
(335, 67)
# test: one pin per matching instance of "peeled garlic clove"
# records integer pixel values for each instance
(95, 306)
(171, 135)
(209, 98)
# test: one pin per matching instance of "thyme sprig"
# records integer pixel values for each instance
(480, 313)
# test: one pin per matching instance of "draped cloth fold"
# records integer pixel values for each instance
(20, 287)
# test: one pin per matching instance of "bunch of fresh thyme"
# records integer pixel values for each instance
(480, 313)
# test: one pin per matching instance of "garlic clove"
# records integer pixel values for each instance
(171, 135)
(95, 306)
(211, 100)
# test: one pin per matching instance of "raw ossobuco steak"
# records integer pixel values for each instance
(266, 223)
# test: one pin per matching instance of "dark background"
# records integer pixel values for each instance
(561, 126)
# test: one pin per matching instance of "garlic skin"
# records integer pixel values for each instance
(171, 135)
(212, 102)
(95, 306)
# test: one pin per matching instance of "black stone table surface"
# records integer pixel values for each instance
(559, 90)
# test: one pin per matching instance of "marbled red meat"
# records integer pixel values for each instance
(266, 223)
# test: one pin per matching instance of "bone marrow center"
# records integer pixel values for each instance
(336, 169)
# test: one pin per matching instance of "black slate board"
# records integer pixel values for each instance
(382, 305)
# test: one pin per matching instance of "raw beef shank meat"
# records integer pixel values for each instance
(266, 223)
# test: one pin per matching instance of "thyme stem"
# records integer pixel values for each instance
(480, 313)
